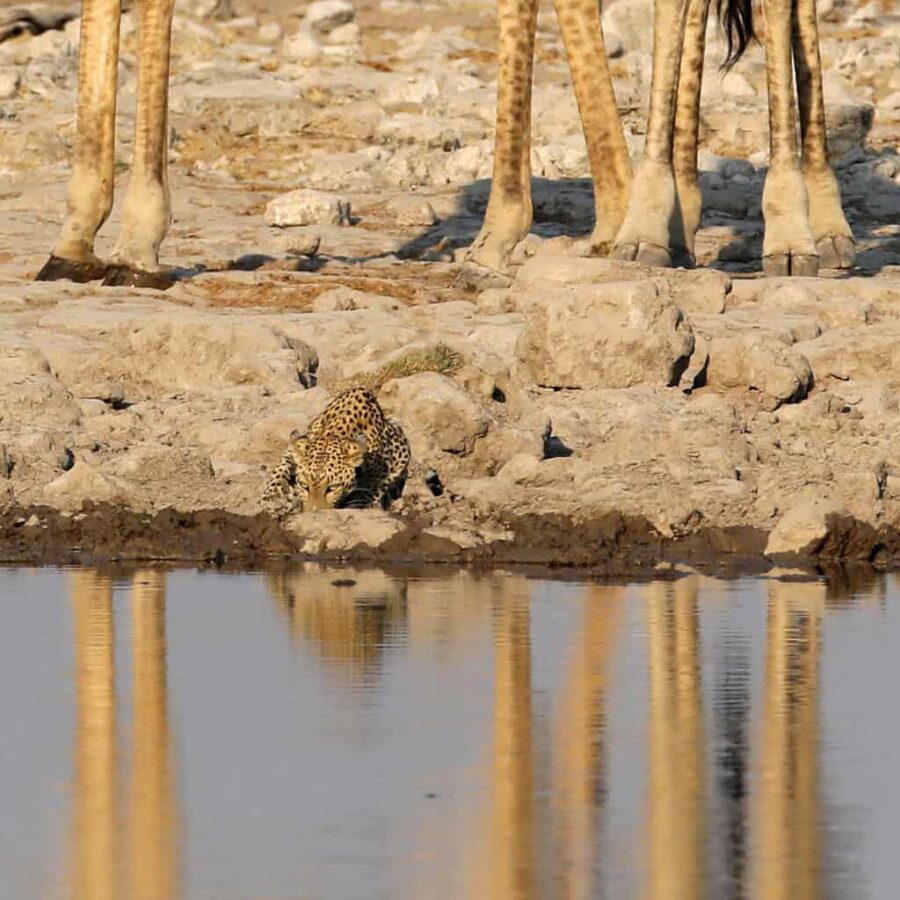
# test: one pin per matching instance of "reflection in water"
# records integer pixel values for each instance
(94, 850)
(732, 710)
(786, 821)
(152, 846)
(579, 782)
(511, 862)
(519, 740)
(676, 783)
(153, 851)
(348, 621)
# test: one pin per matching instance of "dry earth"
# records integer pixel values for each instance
(605, 415)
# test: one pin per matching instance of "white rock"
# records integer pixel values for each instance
(85, 483)
(438, 416)
(612, 41)
(303, 45)
(345, 299)
(323, 16)
(802, 529)
(344, 35)
(408, 210)
(411, 89)
(342, 530)
(614, 334)
(9, 82)
(307, 207)
(270, 33)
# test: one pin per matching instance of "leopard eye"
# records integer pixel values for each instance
(332, 488)
(303, 486)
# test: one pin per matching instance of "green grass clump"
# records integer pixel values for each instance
(437, 358)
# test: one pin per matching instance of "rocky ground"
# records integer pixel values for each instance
(602, 412)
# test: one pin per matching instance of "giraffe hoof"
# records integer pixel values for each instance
(124, 276)
(682, 258)
(780, 265)
(59, 269)
(645, 253)
(836, 252)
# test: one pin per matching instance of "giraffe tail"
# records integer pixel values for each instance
(736, 17)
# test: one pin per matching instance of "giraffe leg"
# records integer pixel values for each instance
(509, 209)
(789, 247)
(644, 235)
(579, 22)
(93, 164)
(147, 212)
(834, 240)
(689, 205)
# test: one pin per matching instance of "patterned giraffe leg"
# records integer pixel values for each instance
(834, 240)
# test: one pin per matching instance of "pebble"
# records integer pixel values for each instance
(9, 82)
(303, 45)
(323, 16)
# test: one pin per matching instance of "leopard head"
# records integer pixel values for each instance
(326, 469)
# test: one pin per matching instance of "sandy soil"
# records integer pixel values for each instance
(707, 413)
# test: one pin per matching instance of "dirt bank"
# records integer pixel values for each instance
(609, 545)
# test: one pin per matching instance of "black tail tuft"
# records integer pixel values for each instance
(736, 17)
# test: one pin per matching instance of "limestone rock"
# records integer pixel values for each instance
(755, 359)
(615, 334)
(82, 483)
(338, 531)
(9, 82)
(324, 16)
(437, 415)
(163, 354)
(29, 393)
(344, 298)
(307, 207)
(692, 291)
(411, 211)
(802, 529)
(270, 33)
(303, 45)
(856, 352)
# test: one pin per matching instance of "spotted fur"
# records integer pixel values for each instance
(351, 456)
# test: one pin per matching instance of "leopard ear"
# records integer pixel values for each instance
(299, 443)
(357, 451)
(296, 434)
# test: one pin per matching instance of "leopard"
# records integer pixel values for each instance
(351, 456)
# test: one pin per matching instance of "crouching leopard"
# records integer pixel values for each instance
(350, 456)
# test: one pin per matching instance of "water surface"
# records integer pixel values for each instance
(344, 734)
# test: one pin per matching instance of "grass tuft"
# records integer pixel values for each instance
(437, 358)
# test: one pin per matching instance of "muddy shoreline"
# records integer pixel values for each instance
(609, 545)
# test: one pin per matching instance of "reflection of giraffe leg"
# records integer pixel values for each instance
(579, 22)
(644, 235)
(677, 823)
(789, 247)
(689, 204)
(153, 869)
(834, 240)
(509, 209)
(579, 738)
(512, 873)
(786, 846)
(94, 791)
